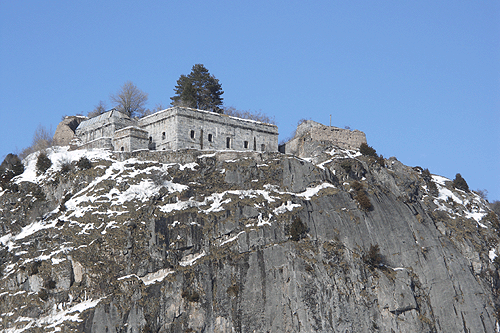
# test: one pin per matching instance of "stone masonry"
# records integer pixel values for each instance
(176, 128)
(310, 133)
(180, 128)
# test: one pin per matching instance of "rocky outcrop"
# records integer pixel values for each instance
(239, 242)
(65, 131)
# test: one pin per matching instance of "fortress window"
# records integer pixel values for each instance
(192, 134)
(122, 148)
(262, 147)
(150, 139)
(245, 144)
(163, 135)
(210, 138)
(228, 142)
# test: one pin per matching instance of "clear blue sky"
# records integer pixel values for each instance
(420, 78)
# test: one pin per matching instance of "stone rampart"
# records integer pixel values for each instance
(312, 133)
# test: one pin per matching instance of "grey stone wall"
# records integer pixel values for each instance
(103, 126)
(162, 129)
(177, 128)
(312, 132)
(130, 139)
(183, 128)
(104, 143)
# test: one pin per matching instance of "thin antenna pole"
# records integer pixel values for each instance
(330, 120)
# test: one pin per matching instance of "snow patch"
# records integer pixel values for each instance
(190, 259)
(157, 276)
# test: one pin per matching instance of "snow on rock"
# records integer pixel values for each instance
(492, 254)
(60, 313)
(190, 259)
(289, 206)
(312, 191)
(471, 205)
(157, 276)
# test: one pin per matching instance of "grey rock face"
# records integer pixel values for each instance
(264, 242)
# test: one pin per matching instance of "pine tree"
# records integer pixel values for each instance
(199, 90)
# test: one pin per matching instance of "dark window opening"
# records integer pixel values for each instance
(245, 144)
(150, 139)
(192, 134)
(210, 138)
(163, 135)
(228, 142)
(122, 148)
(262, 147)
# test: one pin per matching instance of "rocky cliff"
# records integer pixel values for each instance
(243, 242)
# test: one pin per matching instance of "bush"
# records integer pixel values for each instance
(361, 197)
(83, 163)
(43, 294)
(357, 186)
(233, 290)
(373, 258)
(366, 150)
(426, 175)
(381, 161)
(65, 166)
(191, 296)
(363, 201)
(346, 165)
(10, 167)
(460, 183)
(433, 190)
(43, 163)
(298, 229)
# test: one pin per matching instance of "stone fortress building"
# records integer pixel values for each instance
(186, 128)
(172, 129)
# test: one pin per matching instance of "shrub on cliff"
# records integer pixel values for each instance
(298, 229)
(83, 163)
(361, 197)
(43, 163)
(10, 167)
(460, 183)
(366, 150)
(373, 257)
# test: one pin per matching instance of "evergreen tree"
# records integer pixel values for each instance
(199, 90)
(460, 183)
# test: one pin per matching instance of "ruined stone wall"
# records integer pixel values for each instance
(310, 132)
(65, 131)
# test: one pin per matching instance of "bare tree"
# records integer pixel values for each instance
(98, 110)
(130, 100)
(253, 115)
(42, 139)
